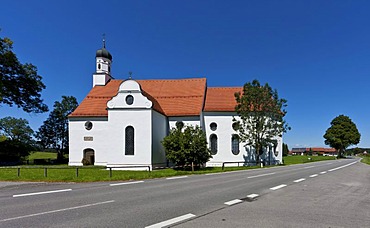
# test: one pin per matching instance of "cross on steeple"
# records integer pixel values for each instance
(103, 40)
(130, 75)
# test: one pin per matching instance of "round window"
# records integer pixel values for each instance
(179, 124)
(88, 125)
(213, 126)
(129, 100)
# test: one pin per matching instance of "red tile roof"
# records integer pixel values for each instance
(221, 99)
(182, 97)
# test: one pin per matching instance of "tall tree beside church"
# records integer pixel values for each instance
(20, 85)
(341, 134)
(53, 134)
(261, 113)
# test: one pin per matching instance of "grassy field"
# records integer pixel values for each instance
(290, 160)
(42, 155)
(366, 159)
(64, 173)
(91, 174)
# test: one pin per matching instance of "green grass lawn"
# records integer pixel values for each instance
(297, 159)
(366, 159)
(41, 155)
(66, 173)
(93, 173)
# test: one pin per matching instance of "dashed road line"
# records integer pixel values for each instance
(312, 166)
(232, 202)
(171, 221)
(211, 174)
(173, 178)
(278, 187)
(299, 180)
(126, 183)
(323, 172)
(261, 175)
(54, 211)
(314, 175)
(252, 196)
(40, 193)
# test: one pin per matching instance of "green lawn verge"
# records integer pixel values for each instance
(297, 159)
(366, 159)
(92, 174)
(64, 173)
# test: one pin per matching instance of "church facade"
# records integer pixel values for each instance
(121, 123)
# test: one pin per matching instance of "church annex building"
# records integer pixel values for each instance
(122, 122)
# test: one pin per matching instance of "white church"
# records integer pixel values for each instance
(121, 123)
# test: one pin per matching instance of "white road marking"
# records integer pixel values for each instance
(232, 202)
(314, 175)
(210, 174)
(309, 167)
(173, 178)
(40, 193)
(343, 166)
(299, 180)
(54, 211)
(252, 196)
(171, 221)
(330, 163)
(323, 172)
(261, 175)
(126, 183)
(278, 187)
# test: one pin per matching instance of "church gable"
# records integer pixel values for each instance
(129, 96)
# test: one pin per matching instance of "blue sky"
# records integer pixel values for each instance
(315, 53)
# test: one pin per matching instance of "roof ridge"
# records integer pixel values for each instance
(99, 97)
(232, 87)
(173, 79)
(177, 96)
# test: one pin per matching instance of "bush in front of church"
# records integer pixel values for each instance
(187, 146)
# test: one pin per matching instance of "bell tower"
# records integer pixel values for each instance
(103, 66)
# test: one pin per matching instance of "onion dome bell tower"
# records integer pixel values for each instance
(103, 66)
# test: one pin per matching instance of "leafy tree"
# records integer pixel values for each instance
(261, 113)
(20, 84)
(187, 146)
(341, 134)
(285, 149)
(16, 129)
(53, 134)
(16, 139)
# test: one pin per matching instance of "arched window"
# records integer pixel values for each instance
(235, 144)
(213, 142)
(129, 140)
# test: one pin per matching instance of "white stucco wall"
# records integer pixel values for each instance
(95, 139)
(140, 120)
(187, 120)
(224, 133)
(159, 131)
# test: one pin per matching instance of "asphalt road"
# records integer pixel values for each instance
(292, 196)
